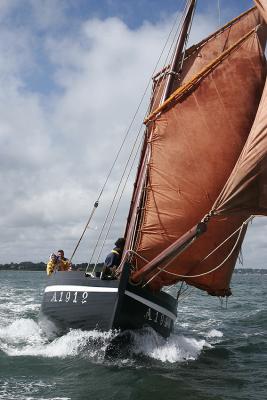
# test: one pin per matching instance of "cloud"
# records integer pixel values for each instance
(68, 93)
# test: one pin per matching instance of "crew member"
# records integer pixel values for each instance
(58, 262)
(113, 260)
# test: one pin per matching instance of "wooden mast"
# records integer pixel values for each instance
(179, 48)
(142, 175)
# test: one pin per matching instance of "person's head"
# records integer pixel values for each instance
(120, 243)
(60, 253)
(53, 257)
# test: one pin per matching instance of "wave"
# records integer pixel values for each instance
(214, 333)
(24, 337)
(176, 348)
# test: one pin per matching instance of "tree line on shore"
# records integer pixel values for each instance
(41, 266)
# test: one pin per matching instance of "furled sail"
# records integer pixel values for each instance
(196, 138)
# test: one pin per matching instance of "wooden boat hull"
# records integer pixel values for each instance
(74, 301)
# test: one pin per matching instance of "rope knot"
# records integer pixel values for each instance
(207, 217)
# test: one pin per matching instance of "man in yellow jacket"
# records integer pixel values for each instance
(58, 262)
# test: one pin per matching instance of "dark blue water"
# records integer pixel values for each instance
(215, 353)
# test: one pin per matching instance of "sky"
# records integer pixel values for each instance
(72, 73)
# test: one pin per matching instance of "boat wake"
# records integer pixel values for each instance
(24, 337)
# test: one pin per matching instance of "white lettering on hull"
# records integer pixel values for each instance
(159, 310)
(75, 294)
(158, 318)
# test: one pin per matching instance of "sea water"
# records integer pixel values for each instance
(214, 353)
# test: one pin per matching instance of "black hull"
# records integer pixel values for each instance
(74, 301)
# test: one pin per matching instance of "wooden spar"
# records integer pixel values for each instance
(179, 47)
(194, 47)
(171, 252)
(187, 86)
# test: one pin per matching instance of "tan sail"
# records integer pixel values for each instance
(196, 141)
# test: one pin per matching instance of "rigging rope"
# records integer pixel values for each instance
(114, 197)
(115, 211)
(124, 139)
(86, 226)
(213, 269)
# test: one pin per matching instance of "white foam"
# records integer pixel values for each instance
(214, 333)
(24, 338)
(18, 308)
(67, 345)
(174, 349)
(21, 330)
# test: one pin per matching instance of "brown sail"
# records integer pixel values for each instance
(246, 188)
(196, 58)
(197, 137)
(201, 54)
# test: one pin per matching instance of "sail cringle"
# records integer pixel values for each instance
(194, 147)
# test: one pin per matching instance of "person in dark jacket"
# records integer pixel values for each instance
(113, 260)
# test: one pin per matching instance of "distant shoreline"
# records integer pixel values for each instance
(41, 266)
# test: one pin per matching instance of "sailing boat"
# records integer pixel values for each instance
(202, 174)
